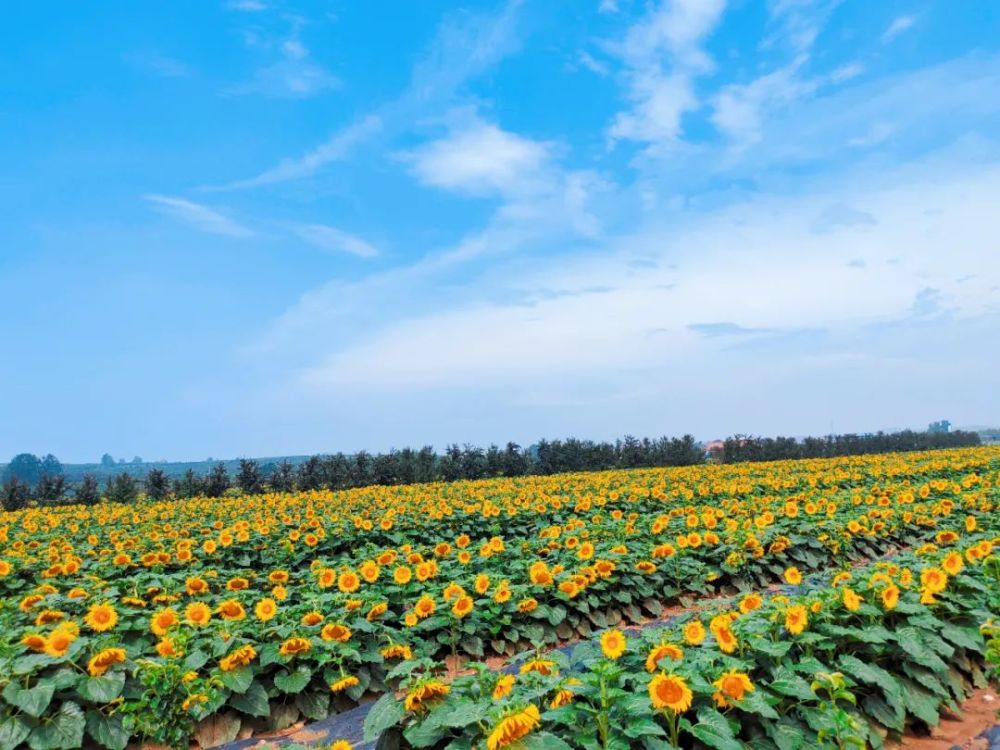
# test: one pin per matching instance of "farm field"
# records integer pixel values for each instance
(206, 618)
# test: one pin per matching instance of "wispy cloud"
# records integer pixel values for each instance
(337, 148)
(662, 54)
(897, 27)
(480, 158)
(738, 109)
(199, 216)
(464, 46)
(294, 76)
(797, 23)
(334, 240)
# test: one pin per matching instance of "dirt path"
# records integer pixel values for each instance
(979, 714)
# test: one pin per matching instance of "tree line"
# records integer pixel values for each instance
(30, 480)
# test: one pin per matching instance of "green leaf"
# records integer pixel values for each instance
(891, 717)
(967, 638)
(543, 741)
(913, 646)
(30, 663)
(771, 648)
(315, 705)
(788, 683)
(756, 703)
(293, 682)
(425, 734)
(713, 729)
(921, 703)
(386, 712)
(33, 701)
(107, 730)
(785, 735)
(103, 689)
(64, 731)
(13, 730)
(643, 728)
(869, 673)
(195, 660)
(252, 702)
(238, 680)
(461, 714)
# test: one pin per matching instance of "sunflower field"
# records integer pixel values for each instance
(830, 603)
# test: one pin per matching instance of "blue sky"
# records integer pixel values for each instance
(253, 227)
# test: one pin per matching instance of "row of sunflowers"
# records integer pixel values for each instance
(860, 656)
(211, 618)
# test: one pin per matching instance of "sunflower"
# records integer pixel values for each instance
(544, 667)
(265, 609)
(102, 661)
(750, 602)
(933, 580)
(890, 597)
(796, 619)
(528, 605)
(346, 681)
(402, 575)
(196, 586)
(397, 651)
(232, 610)
(423, 693)
(503, 686)
(732, 686)
(462, 607)
(694, 633)
(793, 576)
(334, 631)
(852, 602)
(162, 621)
(34, 642)
(725, 639)
(294, 646)
(238, 657)
(953, 563)
(613, 644)
(58, 642)
(671, 692)
(348, 582)
(424, 607)
(663, 651)
(310, 619)
(513, 726)
(197, 614)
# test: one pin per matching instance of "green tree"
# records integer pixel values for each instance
(88, 493)
(122, 488)
(157, 484)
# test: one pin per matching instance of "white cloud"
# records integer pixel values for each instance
(660, 103)
(897, 27)
(480, 158)
(739, 108)
(757, 266)
(335, 240)
(592, 64)
(199, 216)
(846, 72)
(337, 148)
(877, 133)
(662, 55)
(464, 46)
(608, 6)
(797, 23)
